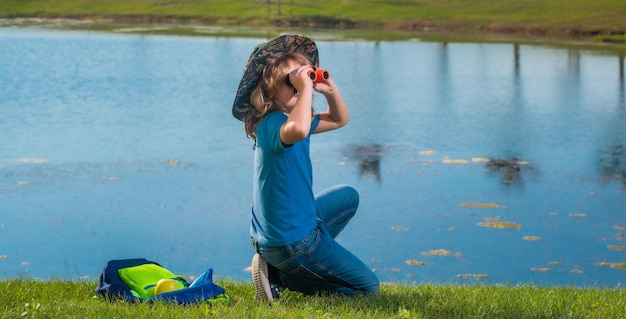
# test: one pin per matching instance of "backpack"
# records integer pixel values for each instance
(136, 279)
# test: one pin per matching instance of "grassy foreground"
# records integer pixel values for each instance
(585, 18)
(28, 298)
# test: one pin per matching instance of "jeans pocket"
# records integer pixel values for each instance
(305, 245)
(303, 257)
(285, 257)
(303, 272)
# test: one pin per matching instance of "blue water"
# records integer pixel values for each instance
(122, 146)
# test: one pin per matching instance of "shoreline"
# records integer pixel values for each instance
(426, 34)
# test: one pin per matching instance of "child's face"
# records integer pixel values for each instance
(287, 95)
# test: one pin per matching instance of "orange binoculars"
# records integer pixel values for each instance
(318, 75)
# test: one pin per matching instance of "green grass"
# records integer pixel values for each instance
(29, 298)
(511, 16)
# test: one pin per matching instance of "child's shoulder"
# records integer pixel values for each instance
(273, 119)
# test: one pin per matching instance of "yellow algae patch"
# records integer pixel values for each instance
(479, 205)
(554, 263)
(619, 266)
(578, 215)
(540, 269)
(448, 160)
(415, 262)
(612, 265)
(621, 237)
(438, 252)
(3, 257)
(172, 161)
(500, 224)
(616, 247)
(576, 271)
(602, 264)
(427, 153)
(475, 276)
(480, 160)
(532, 238)
(619, 227)
(399, 228)
(34, 160)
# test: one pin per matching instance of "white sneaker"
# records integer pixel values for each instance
(261, 281)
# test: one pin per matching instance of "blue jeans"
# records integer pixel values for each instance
(317, 263)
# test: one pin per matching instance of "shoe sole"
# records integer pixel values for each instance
(260, 279)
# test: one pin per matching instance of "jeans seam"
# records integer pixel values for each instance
(342, 214)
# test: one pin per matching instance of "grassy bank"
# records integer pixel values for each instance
(603, 19)
(69, 299)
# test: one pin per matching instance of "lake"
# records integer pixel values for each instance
(476, 163)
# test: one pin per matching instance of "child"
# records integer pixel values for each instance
(293, 230)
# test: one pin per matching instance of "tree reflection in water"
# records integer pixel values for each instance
(613, 163)
(368, 157)
(510, 170)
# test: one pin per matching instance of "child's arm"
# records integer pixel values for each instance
(298, 123)
(337, 114)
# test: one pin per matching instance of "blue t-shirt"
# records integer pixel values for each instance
(283, 208)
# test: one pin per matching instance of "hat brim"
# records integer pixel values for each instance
(263, 54)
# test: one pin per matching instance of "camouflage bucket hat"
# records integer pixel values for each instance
(262, 55)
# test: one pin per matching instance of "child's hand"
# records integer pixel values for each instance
(299, 77)
(326, 87)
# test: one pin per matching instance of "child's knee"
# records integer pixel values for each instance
(372, 289)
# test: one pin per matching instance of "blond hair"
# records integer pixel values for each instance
(262, 98)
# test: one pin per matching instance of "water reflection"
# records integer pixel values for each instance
(443, 74)
(612, 160)
(613, 164)
(621, 82)
(510, 170)
(368, 159)
(516, 60)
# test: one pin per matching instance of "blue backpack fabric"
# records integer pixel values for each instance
(113, 287)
